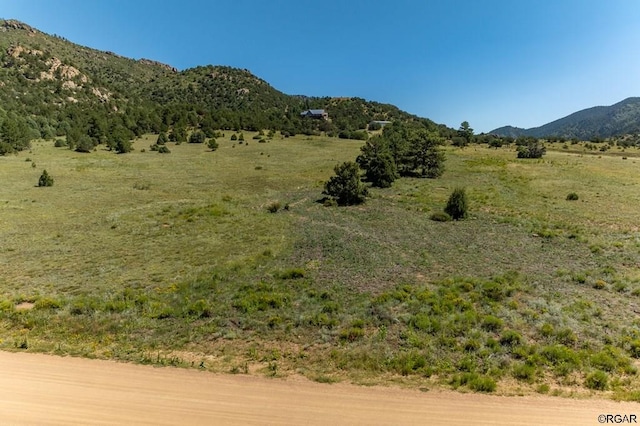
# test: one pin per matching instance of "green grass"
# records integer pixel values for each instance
(182, 259)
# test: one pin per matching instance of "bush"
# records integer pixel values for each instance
(197, 137)
(178, 135)
(273, 207)
(213, 145)
(559, 354)
(199, 309)
(329, 202)
(5, 148)
(494, 291)
(495, 143)
(510, 338)
(45, 179)
(603, 360)
(524, 372)
(351, 334)
(599, 284)
(425, 322)
(566, 336)
(459, 141)
(360, 135)
(634, 348)
(457, 205)
(572, 196)
(546, 330)
(162, 149)
(597, 380)
(85, 144)
(482, 384)
(123, 145)
(533, 149)
(59, 143)
(409, 362)
(162, 139)
(474, 382)
(491, 323)
(345, 187)
(543, 388)
(47, 303)
(471, 345)
(292, 274)
(440, 217)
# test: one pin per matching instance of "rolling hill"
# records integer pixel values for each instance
(597, 122)
(53, 87)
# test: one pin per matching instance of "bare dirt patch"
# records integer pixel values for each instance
(24, 306)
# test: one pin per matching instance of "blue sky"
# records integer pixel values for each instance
(489, 62)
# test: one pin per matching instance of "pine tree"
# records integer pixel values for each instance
(45, 179)
(377, 162)
(345, 187)
(162, 139)
(457, 205)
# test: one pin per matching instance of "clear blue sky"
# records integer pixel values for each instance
(489, 62)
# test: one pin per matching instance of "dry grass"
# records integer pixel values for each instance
(143, 218)
(128, 256)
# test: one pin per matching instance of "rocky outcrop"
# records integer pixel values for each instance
(104, 97)
(13, 24)
(157, 64)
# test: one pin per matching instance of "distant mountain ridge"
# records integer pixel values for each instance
(596, 122)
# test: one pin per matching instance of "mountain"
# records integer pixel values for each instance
(509, 131)
(597, 122)
(51, 87)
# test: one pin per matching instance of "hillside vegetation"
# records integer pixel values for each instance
(52, 87)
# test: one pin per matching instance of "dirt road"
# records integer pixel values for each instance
(46, 390)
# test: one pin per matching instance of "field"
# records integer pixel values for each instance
(227, 261)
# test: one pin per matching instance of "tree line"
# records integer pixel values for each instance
(402, 149)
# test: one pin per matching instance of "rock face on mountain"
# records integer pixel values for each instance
(17, 25)
(597, 122)
(157, 64)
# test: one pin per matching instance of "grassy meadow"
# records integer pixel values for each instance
(226, 260)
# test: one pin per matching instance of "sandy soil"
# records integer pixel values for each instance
(46, 390)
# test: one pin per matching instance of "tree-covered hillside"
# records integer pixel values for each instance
(597, 122)
(53, 87)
